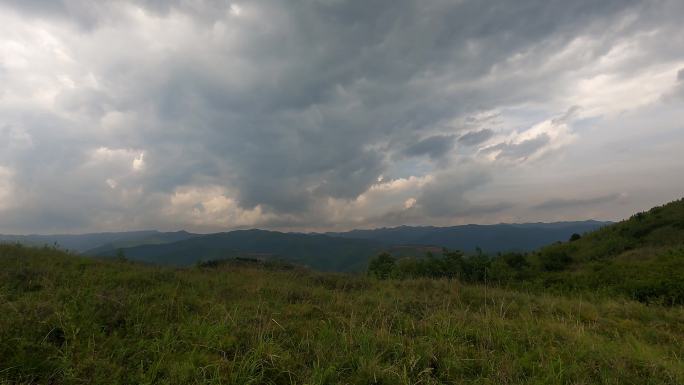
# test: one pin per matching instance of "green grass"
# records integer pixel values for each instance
(71, 320)
(641, 258)
(650, 231)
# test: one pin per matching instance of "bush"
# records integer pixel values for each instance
(554, 260)
(381, 266)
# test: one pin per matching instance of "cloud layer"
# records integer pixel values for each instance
(327, 114)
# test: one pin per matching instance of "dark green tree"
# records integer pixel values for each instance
(120, 255)
(554, 260)
(381, 266)
(452, 262)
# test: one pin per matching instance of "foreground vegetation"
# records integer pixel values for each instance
(641, 258)
(71, 320)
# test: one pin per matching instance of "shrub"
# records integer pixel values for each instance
(554, 260)
(381, 266)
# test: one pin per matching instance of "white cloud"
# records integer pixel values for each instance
(210, 207)
(118, 158)
(235, 9)
(139, 162)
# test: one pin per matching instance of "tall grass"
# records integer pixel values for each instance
(69, 320)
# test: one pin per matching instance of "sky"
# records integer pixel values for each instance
(318, 115)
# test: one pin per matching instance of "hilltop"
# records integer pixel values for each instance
(75, 320)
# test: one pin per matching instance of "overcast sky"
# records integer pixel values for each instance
(211, 115)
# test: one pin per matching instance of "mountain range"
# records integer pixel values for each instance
(340, 251)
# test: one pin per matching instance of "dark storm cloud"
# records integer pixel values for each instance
(347, 67)
(447, 194)
(679, 88)
(434, 146)
(554, 204)
(286, 105)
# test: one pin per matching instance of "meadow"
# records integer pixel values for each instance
(74, 320)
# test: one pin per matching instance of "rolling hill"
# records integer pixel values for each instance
(642, 257)
(318, 251)
(348, 251)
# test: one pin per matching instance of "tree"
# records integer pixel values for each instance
(381, 266)
(516, 261)
(509, 267)
(574, 237)
(120, 255)
(554, 260)
(453, 263)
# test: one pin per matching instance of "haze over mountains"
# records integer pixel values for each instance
(84, 242)
(342, 251)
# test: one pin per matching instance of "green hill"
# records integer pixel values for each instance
(321, 252)
(74, 320)
(642, 257)
(659, 228)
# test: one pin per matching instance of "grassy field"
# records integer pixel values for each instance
(71, 320)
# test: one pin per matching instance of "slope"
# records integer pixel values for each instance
(642, 256)
(72, 320)
(318, 251)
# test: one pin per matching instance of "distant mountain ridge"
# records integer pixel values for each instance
(489, 238)
(341, 251)
(154, 238)
(83, 242)
(319, 251)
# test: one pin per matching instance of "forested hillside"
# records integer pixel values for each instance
(641, 258)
